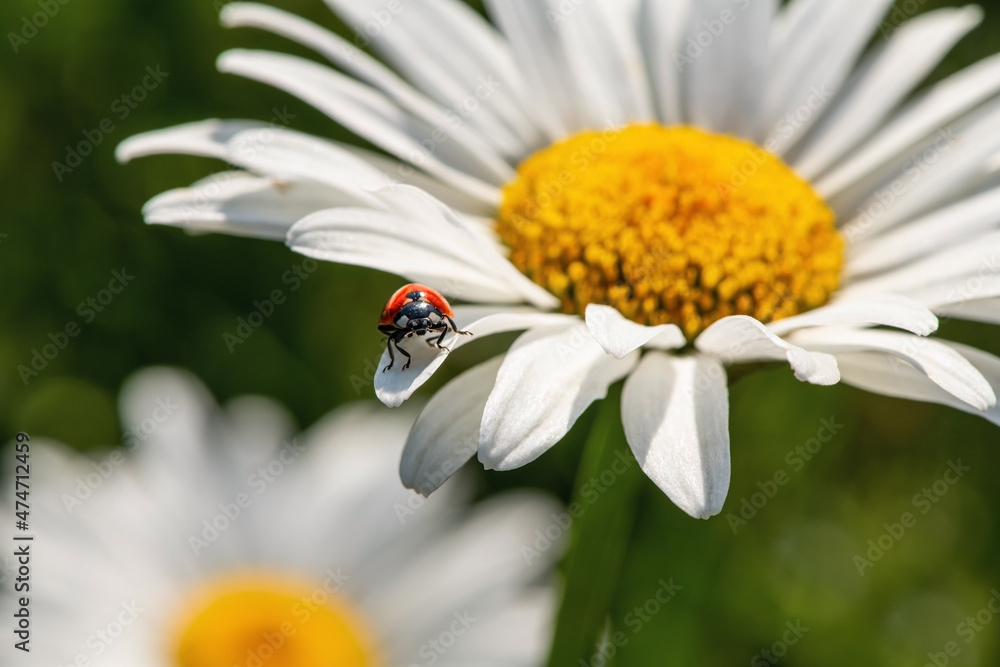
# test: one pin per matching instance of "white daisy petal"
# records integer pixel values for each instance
(395, 386)
(976, 257)
(481, 224)
(355, 61)
(540, 58)
(187, 405)
(940, 105)
(792, 19)
(454, 56)
(530, 620)
(885, 374)
(724, 81)
(266, 150)
(619, 336)
(206, 138)
(932, 232)
(446, 434)
(882, 82)
(395, 172)
(989, 366)
(976, 310)
(955, 163)
(488, 320)
(662, 28)
(203, 138)
(417, 236)
(495, 58)
(292, 155)
(741, 339)
(389, 242)
(257, 424)
(820, 44)
(235, 202)
(413, 203)
(453, 573)
(547, 380)
(607, 64)
(943, 365)
(953, 294)
(879, 309)
(372, 116)
(349, 468)
(676, 416)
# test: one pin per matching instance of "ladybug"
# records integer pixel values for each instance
(414, 310)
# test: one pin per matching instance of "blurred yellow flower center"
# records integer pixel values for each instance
(256, 621)
(671, 225)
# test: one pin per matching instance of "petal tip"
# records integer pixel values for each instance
(484, 456)
(928, 328)
(973, 14)
(389, 399)
(227, 61)
(990, 401)
(124, 152)
(393, 402)
(423, 490)
(229, 15)
(704, 509)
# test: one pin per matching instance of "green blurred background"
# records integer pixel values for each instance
(793, 562)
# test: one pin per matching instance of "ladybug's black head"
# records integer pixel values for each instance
(418, 316)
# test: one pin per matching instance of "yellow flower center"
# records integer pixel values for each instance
(671, 225)
(250, 621)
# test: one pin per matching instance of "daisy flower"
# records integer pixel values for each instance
(653, 190)
(220, 541)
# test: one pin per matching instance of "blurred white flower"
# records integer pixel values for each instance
(626, 161)
(221, 541)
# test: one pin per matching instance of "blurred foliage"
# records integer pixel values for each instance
(793, 562)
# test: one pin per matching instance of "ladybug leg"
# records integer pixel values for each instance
(392, 357)
(405, 354)
(454, 327)
(398, 336)
(394, 340)
(444, 331)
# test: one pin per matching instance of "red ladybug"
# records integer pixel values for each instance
(414, 310)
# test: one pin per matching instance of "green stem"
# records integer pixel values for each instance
(603, 511)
